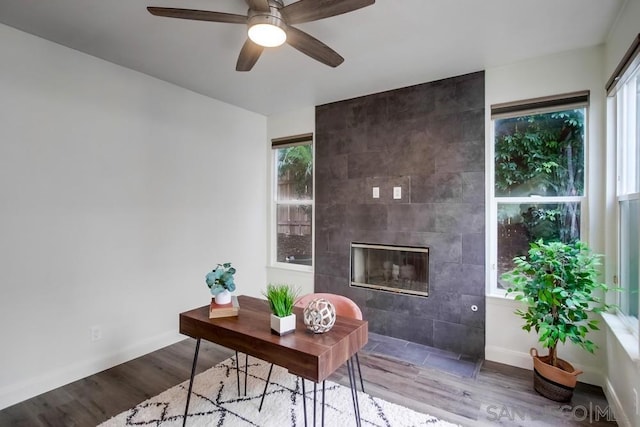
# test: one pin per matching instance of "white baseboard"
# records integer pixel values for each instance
(612, 398)
(508, 357)
(519, 359)
(17, 392)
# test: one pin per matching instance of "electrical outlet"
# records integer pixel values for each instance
(95, 333)
(397, 193)
(376, 192)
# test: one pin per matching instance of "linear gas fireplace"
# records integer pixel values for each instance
(401, 269)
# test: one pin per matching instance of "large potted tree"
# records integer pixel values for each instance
(558, 283)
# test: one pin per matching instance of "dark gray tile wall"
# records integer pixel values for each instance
(429, 140)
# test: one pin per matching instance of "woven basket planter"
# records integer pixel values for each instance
(555, 383)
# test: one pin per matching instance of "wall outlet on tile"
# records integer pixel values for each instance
(397, 192)
(376, 192)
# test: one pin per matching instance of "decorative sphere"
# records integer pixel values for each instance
(319, 315)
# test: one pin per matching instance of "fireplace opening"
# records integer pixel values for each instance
(400, 269)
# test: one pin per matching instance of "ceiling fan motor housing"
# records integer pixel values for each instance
(273, 17)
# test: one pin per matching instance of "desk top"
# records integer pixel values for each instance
(311, 356)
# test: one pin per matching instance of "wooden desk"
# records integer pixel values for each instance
(311, 356)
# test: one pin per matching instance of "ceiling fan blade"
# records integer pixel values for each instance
(312, 10)
(259, 5)
(198, 15)
(313, 47)
(248, 56)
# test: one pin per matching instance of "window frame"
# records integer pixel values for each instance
(548, 104)
(630, 322)
(627, 70)
(278, 143)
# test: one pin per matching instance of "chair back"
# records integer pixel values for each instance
(344, 306)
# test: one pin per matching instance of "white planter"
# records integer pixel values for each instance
(223, 297)
(283, 325)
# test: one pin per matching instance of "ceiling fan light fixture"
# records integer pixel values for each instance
(267, 31)
(269, 23)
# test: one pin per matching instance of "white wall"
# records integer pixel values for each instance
(118, 192)
(295, 122)
(624, 31)
(567, 72)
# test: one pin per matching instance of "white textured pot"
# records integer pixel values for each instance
(223, 297)
(283, 325)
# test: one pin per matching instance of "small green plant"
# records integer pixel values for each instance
(221, 278)
(559, 284)
(281, 299)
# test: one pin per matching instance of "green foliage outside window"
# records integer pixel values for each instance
(542, 155)
(297, 162)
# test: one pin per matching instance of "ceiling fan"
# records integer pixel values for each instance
(270, 23)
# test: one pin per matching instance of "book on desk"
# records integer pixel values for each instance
(224, 310)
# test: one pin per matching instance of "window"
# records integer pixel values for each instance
(538, 175)
(624, 88)
(293, 200)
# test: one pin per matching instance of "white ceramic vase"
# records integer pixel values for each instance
(223, 297)
(283, 325)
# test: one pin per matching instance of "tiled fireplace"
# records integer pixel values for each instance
(420, 149)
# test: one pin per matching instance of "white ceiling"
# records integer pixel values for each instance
(391, 44)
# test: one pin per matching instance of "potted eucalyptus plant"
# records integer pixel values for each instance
(221, 282)
(558, 283)
(281, 299)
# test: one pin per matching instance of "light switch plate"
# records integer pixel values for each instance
(376, 192)
(397, 192)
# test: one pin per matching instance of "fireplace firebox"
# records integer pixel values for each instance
(399, 269)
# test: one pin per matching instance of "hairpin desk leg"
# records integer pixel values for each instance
(193, 372)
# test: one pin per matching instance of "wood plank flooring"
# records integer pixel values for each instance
(499, 395)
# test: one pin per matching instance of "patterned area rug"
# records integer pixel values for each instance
(215, 402)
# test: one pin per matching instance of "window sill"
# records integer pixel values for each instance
(292, 267)
(628, 341)
(500, 294)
